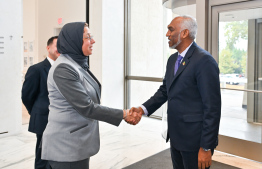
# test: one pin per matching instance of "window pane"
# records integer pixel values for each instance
(141, 91)
(235, 121)
(240, 57)
(240, 54)
(147, 40)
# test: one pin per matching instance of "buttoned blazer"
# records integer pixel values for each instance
(194, 100)
(72, 132)
(35, 96)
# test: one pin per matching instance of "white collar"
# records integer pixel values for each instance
(50, 60)
(183, 54)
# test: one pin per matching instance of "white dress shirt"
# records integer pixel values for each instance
(50, 60)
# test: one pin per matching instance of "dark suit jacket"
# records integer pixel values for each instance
(35, 96)
(194, 100)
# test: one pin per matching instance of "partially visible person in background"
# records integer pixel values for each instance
(35, 97)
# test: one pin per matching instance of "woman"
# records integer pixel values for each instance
(72, 134)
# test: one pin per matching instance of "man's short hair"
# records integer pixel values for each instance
(50, 41)
(190, 24)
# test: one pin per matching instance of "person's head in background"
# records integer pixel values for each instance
(51, 48)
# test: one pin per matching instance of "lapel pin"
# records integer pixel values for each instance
(184, 63)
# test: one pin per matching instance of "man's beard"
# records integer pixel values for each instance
(177, 43)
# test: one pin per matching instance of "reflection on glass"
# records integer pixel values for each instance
(240, 56)
(234, 118)
(148, 45)
(146, 38)
(233, 53)
(141, 91)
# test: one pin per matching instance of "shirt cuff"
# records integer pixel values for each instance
(144, 109)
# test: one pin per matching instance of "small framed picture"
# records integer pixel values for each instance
(25, 61)
(31, 60)
(25, 46)
(31, 46)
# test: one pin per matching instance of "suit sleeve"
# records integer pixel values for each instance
(70, 86)
(208, 84)
(158, 99)
(30, 88)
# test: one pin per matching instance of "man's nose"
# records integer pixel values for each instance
(167, 34)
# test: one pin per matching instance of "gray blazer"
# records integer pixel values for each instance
(72, 132)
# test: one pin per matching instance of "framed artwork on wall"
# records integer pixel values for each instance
(31, 60)
(25, 46)
(31, 46)
(25, 61)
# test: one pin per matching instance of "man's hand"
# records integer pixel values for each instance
(204, 158)
(131, 117)
(138, 110)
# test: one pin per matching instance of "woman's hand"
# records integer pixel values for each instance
(131, 117)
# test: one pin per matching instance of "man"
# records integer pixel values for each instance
(191, 87)
(35, 97)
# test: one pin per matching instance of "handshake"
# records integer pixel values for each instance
(133, 115)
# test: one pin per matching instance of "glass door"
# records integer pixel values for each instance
(235, 37)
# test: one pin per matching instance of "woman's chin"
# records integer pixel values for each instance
(87, 54)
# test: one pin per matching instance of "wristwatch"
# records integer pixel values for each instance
(206, 149)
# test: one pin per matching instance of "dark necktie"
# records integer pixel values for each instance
(178, 60)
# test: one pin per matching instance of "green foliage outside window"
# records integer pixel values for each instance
(232, 59)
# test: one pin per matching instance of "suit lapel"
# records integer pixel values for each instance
(173, 63)
(88, 76)
(93, 76)
(181, 68)
(92, 81)
(184, 62)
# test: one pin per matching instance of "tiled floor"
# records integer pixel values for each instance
(120, 147)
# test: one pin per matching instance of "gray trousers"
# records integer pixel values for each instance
(83, 164)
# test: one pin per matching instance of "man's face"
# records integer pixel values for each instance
(173, 33)
(88, 42)
(52, 50)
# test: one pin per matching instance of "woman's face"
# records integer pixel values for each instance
(88, 42)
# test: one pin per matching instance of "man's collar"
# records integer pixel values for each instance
(50, 60)
(183, 54)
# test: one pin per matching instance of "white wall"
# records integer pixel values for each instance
(10, 66)
(95, 26)
(48, 12)
(29, 31)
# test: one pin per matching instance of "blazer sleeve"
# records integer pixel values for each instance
(207, 75)
(69, 84)
(30, 88)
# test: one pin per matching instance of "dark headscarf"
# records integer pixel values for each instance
(70, 41)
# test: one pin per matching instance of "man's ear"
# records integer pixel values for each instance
(47, 48)
(185, 33)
